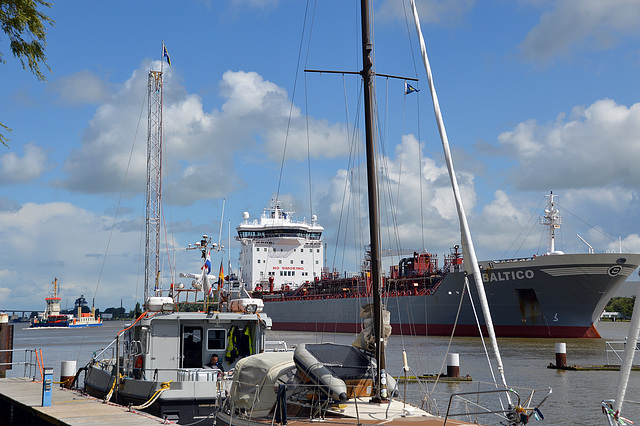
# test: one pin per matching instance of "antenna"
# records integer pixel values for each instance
(154, 186)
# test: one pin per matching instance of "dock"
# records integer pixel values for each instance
(434, 377)
(21, 403)
(607, 367)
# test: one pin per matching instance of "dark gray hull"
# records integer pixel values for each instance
(558, 296)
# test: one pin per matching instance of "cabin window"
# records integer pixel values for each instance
(301, 250)
(302, 262)
(261, 273)
(291, 261)
(258, 249)
(216, 340)
(316, 262)
(265, 249)
(280, 261)
(318, 250)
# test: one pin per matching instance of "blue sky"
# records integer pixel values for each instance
(537, 96)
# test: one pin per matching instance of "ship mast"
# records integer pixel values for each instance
(552, 220)
(154, 186)
(372, 189)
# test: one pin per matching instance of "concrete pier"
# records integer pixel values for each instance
(21, 404)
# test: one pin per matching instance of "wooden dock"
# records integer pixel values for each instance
(21, 404)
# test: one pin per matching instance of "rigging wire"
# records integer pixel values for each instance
(293, 95)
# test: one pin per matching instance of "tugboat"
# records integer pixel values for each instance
(52, 317)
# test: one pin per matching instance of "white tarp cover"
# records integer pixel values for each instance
(254, 380)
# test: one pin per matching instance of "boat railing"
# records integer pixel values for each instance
(520, 412)
(276, 346)
(29, 361)
(617, 347)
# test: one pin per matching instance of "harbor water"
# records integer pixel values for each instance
(576, 397)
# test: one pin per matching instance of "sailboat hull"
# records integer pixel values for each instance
(559, 296)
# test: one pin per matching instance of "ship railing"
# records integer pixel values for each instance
(617, 347)
(519, 413)
(519, 259)
(29, 360)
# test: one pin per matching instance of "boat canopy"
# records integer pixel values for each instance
(254, 380)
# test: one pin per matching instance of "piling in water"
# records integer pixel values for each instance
(561, 354)
(453, 365)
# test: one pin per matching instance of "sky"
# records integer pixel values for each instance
(536, 95)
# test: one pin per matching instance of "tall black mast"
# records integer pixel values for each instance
(367, 75)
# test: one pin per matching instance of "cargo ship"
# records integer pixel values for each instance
(51, 317)
(555, 295)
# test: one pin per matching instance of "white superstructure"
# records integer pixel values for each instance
(278, 247)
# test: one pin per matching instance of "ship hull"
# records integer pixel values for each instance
(558, 296)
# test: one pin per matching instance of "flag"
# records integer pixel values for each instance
(407, 87)
(207, 263)
(206, 269)
(210, 292)
(220, 277)
(165, 54)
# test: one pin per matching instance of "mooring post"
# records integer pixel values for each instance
(561, 354)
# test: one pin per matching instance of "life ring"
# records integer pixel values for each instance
(138, 362)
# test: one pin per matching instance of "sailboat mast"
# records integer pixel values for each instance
(372, 189)
(154, 186)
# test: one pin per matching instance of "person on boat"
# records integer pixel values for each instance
(215, 363)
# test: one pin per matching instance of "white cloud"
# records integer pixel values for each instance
(598, 146)
(30, 166)
(582, 24)
(200, 146)
(80, 88)
(45, 241)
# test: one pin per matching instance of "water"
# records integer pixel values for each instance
(576, 394)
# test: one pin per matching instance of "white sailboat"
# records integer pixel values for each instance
(348, 384)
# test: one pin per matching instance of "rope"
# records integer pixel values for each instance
(163, 387)
(110, 394)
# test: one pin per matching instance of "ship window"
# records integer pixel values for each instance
(280, 273)
(261, 273)
(216, 340)
(258, 260)
(292, 261)
(265, 249)
(302, 262)
(280, 261)
(301, 250)
(316, 262)
(318, 250)
(293, 273)
(258, 249)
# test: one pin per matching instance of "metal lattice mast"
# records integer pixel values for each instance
(154, 186)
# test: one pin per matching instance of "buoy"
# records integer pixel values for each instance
(561, 354)
(67, 373)
(453, 365)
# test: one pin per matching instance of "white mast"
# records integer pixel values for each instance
(468, 252)
(629, 352)
(552, 221)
